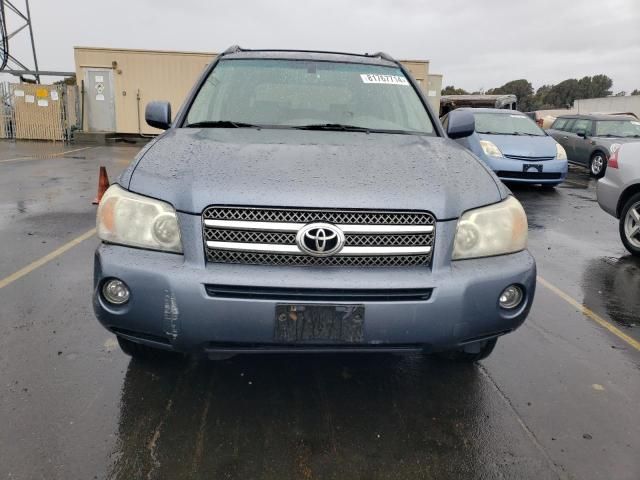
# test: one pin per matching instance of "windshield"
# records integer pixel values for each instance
(618, 128)
(506, 124)
(290, 93)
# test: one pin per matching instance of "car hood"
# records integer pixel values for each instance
(523, 145)
(195, 168)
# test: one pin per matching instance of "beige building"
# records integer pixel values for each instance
(118, 83)
(434, 87)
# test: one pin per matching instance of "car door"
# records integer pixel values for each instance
(558, 131)
(582, 144)
(571, 137)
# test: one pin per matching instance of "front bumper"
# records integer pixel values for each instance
(170, 308)
(511, 170)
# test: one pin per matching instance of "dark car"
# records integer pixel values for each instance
(590, 139)
(309, 202)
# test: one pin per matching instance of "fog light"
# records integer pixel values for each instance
(115, 291)
(511, 297)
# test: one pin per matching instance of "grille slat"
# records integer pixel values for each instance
(276, 229)
(311, 215)
(528, 159)
(244, 236)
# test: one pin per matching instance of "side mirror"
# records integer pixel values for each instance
(158, 114)
(461, 124)
(582, 133)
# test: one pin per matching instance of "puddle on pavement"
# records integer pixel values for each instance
(612, 285)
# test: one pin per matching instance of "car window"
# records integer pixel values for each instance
(569, 125)
(560, 124)
(300, 93)
(581, 125)
(618, 128)
(506, 124)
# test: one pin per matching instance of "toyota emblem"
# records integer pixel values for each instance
(320, 239)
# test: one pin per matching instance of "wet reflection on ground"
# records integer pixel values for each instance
(612, 285)
(365, 416)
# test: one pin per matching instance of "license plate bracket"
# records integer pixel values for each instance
(531, 166)
(319, 323)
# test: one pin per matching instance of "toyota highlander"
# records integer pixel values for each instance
(309, 202)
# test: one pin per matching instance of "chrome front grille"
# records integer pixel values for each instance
(267, 236)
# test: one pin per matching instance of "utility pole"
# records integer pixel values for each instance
(22, 15)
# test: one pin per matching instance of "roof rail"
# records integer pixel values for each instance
(384, 56)
(232, 49)
(236, 49)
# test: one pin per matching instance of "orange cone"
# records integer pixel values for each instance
(103, 184)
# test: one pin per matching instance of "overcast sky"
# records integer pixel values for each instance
(475, 44)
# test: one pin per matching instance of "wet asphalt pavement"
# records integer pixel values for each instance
(557, 399)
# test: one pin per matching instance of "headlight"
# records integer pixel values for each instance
(490, 148)
(494, 230)
(137, 221)
(561, 153)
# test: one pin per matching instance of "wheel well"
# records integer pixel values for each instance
(598, 150)
(629, 192)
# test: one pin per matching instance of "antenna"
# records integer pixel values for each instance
(8, 62)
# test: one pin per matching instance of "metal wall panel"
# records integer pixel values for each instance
(433, 91)
(140, 76)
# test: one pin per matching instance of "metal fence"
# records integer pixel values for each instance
(38, 112)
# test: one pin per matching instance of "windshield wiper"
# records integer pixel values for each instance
(610, 135)
(221, 124)
(332, 126)
(516, 134)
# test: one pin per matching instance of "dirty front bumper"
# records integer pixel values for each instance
(171, 305)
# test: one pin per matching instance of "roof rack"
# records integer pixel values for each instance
(237, 49)
(384, 56)
(232, 49)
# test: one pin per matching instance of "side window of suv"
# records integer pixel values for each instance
(581, 125)
(560, 124)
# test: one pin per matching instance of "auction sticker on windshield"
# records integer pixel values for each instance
(386, 79)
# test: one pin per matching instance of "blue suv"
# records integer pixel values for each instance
(309, 202)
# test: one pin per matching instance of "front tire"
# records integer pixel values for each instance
(473, 352)
(598, 165)
(630, 225)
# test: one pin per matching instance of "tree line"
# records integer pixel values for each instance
(547, 97)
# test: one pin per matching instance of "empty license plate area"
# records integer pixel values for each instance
(532, 167)
(319, 323)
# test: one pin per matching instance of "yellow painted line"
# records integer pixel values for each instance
(44, 155)
(591, 314)
(46, 259)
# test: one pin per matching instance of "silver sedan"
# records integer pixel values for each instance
(619, 193)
